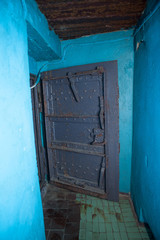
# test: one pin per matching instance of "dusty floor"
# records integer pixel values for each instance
(72, 216)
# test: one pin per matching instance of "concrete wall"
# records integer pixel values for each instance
(21, 214)
(146, 120)
(107, 47)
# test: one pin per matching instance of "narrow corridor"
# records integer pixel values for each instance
(72, 216)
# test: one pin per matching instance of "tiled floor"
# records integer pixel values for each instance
(71, 216)
(61, 214)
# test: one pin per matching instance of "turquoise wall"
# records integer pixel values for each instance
(32, 65)
(107, 47)
(21, 214)
(146, 120)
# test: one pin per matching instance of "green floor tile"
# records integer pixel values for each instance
(145, 236)
(129, 219)
(110, 236)
(126, 210)
(89, 235)
(95, 236)
(99, 204)
(117, 236)
(111, 209)
(127, 214)
(102, 219)
(106, 220)
(117, 209)
(107, 217)
(105, 203)
(123, 235)
(106, 209)
(89, 201)
(102, 236)
(142, 230)
(82, 224)
(115, 227)
(122, 227)
(89, 216)
(110, 203)
(134, 236)
(132, 229)
(131, 224)
(95, 218)
(125, 206)
(82, 234)
(113, 218)
(83, 217)
(94, 202)
(89, 209)
(102, 228)
(108, 227)
(89, 226)
(95, 227)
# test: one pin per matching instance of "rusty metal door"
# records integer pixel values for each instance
(77, 127)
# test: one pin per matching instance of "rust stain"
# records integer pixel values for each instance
(66, 174)
(94, 215)
(72, 19)
(84, 207)
(119, 218)
(99, 135)
(101, 212)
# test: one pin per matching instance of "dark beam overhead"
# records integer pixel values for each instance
(77, 18)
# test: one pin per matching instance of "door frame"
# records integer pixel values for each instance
(39, 134)
(111, 105)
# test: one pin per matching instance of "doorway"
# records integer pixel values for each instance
(81, 116)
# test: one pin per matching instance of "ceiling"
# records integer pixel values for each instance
(76, 18)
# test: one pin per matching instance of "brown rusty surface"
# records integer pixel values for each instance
(72, 19)
(61, 214)
(79, 189)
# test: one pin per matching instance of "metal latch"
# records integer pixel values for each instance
(72, 86)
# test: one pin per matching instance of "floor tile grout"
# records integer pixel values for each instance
(71, 216)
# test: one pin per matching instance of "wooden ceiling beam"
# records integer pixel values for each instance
(83, 15)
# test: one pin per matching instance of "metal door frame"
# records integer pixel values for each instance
(41, 150)
(111, 106)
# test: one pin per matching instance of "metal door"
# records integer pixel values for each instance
(76, 119)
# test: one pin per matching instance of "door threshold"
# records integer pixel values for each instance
(87, 191)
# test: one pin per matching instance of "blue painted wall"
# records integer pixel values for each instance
(145, 186)
(21, 214)
(107, 47)
(32, 66)
(43, 44)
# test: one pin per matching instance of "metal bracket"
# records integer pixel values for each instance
(100, 69)
(72, 86)
(98, 135)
